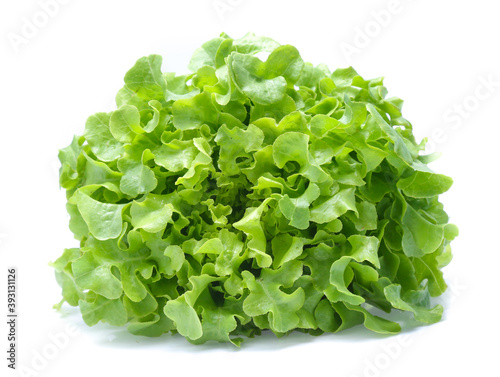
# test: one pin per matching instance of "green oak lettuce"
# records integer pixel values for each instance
(251, 195)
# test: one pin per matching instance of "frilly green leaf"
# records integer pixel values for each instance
(252, 194)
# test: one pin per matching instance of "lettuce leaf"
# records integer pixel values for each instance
(251, 195)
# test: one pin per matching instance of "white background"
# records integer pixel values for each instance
(436, 55)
